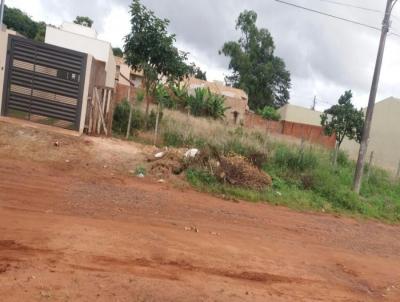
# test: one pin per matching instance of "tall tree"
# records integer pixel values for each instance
(150, 48)
(343, 120)
(118, 52)
(254, 66)
(197, 72)
(20, 22)
(82, 20)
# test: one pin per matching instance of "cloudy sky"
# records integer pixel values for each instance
(325, 56)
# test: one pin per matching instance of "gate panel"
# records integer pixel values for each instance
(44, 83)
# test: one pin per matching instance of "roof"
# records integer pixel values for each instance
(218, 88)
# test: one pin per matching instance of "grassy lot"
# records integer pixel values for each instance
(303, 177)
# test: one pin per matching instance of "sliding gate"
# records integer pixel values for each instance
(44, 83)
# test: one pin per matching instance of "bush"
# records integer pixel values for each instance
(295, 160)
(121, 118)
(269, 113)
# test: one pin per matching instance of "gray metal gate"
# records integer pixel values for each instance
(44, 83)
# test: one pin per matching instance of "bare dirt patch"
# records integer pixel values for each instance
(71, 232)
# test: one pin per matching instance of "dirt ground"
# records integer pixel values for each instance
(78, 227)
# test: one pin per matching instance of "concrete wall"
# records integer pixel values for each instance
(297, 114)
(86, 92)
(79, 29)
(100, 50)
(385, 136)
(3, 57)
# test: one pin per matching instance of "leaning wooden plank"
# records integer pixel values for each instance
(101, 112)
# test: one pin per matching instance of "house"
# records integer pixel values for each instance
(84, 39)
(301, 115)
(124, 72)
(73, 72)
(235, 99)
(384, 136)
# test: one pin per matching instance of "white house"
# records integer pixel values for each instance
(84, 39)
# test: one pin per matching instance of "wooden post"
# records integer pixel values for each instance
(398, 171)
(101, 113)
(156, 128)
(128, 129)
(371, 158)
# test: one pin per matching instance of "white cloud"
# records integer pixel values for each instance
(116, 26)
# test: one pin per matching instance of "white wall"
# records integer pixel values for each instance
(384, 136)
(79, 29)
(100, 50)
(3, 57)
(85, 93)
(297, 114)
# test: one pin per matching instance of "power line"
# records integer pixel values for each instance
(333, 16)
(328, 15)
(353, 6)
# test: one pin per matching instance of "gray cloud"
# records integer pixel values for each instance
(315, 48)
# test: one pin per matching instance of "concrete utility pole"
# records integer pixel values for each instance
(314, 103)
(372, 97)
(1, 12)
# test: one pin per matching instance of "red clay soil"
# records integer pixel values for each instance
(76, 235)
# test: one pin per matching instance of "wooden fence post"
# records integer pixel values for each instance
(371, 158)
(398, 171)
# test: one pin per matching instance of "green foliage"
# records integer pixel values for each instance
(151, 123)
(343, 120)
(269, 113)
(295, 160)
(150, 47)
(140, 170)
(197, 72)
(121, 118)
(205, 103)
(118, 52)
(254, 66)
(163, 98)
(85, 21)
(20, 22)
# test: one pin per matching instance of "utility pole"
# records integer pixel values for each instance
(372, 97)
(314, 103)
(1, 12)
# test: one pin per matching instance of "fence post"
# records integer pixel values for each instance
(371, 158)
(398, 171)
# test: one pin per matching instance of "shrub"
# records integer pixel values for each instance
(121, 118)
(269, 113)
(294, 159)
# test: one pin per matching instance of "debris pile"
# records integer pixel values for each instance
(237, 171)
(234, 169)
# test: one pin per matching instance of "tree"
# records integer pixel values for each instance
(20, 22)
(269, 113)
(85, 21)
(197, 72)
(254, 66)
(343, 120)
(41, 32)
(118, 52)
(150, 48)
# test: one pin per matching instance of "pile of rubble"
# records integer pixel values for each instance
(235, 170)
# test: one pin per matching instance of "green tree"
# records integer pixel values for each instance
(269, 113)
(41, 32)
(118, 52)
(85, 21)
(343, 120)
(254, 66)
(197, 72)
(20, 22)
(150, 48)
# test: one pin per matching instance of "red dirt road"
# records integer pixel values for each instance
(84, 234)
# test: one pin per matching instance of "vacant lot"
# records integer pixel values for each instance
(76, 227)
